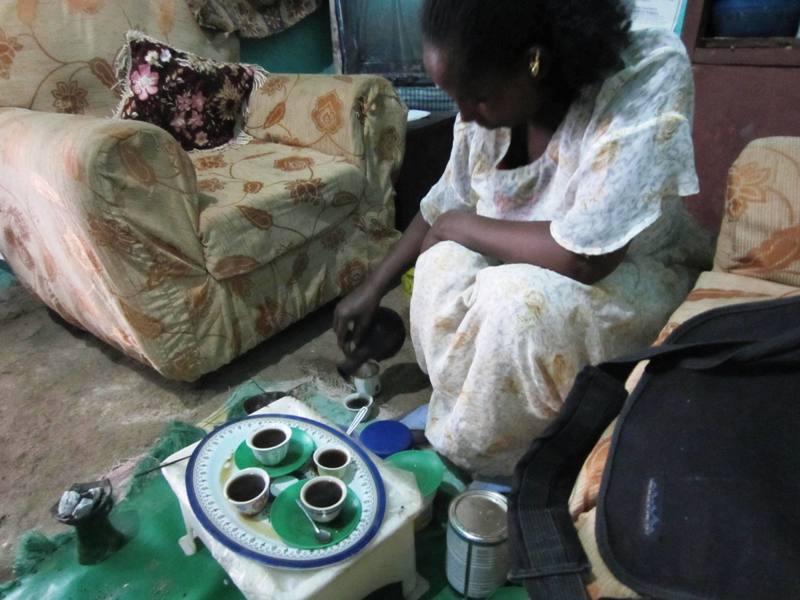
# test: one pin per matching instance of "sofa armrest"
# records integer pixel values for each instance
(95, 216)
(121, 182)
(359, 117)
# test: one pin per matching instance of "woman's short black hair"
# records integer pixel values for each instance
(583, 37)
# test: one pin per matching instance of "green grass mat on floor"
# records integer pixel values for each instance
(151, 565)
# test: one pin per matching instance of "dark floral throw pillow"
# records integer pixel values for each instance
(198, 100)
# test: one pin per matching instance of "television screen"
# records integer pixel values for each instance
(382, 37)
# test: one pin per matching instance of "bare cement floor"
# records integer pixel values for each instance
(73, 409)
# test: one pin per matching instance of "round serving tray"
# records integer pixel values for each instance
(212, 463)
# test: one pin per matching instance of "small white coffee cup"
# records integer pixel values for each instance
(323, 498)
(367, 378)
(248, 490)
(333, 461)
(357, 401)
(270, 444)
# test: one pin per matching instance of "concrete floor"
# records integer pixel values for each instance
(73, 409)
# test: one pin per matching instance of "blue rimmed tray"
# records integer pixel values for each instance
(212, 464)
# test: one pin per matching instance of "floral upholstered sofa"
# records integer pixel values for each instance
(757, 258)
(183, 261)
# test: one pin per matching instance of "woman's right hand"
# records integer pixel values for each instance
(353, 314)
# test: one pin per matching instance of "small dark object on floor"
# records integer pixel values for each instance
(383, 339)
(259, 401)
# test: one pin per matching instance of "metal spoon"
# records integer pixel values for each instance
(362, 412)
(323, 536)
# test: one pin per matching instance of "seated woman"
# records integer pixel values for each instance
(557, 236)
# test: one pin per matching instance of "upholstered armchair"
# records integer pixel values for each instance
(185, 260)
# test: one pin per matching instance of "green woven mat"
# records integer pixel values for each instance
(151, 564)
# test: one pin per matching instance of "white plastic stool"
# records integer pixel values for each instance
(389, 558)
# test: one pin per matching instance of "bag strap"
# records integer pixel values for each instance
(547, 555)
(783, 349)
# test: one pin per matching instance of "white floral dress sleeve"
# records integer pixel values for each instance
(636, 154)
(454, 190)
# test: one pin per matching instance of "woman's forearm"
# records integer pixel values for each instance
(523, 242)
(401, 257)
(508, 241)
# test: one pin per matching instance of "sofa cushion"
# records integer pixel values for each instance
(714, 289)
(760, 234)
(57, 55)
(260, 200)
(198, 100)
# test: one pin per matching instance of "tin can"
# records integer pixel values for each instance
(477, 543)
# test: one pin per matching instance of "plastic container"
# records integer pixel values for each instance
(428, 471)
(755, 18)
(385, 438)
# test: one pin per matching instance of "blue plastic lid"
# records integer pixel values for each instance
(385, 438)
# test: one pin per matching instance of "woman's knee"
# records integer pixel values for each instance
(507, 301)
(450, 255)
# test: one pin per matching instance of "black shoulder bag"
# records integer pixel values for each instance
(700, 497)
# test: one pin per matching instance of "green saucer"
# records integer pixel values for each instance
(426, 466)
(296, 530)
(301, 447)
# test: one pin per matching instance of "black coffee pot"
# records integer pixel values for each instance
(383, 339)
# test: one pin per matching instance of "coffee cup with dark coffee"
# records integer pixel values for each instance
(248, 490)
(358, 400)
(270, 444)
(323, 498)
(333, 461)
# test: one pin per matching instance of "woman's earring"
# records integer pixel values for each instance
(535, 66)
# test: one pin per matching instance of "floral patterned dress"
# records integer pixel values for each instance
(502, 343)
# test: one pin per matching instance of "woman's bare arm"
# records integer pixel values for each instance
(520, 242)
